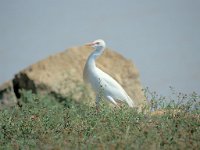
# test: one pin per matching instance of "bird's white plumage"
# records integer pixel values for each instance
(103, 84)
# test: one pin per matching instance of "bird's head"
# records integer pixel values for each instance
(97, 44)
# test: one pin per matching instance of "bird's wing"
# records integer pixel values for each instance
(117, 90)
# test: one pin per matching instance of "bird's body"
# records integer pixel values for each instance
(104, 85)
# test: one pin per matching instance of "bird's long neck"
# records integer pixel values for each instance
(93, 56)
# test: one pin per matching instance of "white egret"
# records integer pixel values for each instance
(104, 85)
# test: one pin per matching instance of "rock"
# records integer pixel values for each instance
(7, 96)
(61, 74)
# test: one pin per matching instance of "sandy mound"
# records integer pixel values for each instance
(61, 74)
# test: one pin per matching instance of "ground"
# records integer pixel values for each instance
(44, 122)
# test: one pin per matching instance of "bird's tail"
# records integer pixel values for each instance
(130, 102)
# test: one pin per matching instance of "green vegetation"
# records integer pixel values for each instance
(44, 122)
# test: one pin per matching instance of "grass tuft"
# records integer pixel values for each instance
(45, 122)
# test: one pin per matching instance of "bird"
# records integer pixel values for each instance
(103, 84)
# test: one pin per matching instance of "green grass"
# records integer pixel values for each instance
(44, 122)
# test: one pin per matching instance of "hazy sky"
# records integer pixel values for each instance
(162, 37)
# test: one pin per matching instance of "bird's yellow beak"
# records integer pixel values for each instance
(89, 44)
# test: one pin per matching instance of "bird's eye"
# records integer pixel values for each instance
(97, 43)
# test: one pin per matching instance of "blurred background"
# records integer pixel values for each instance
(161, 37)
